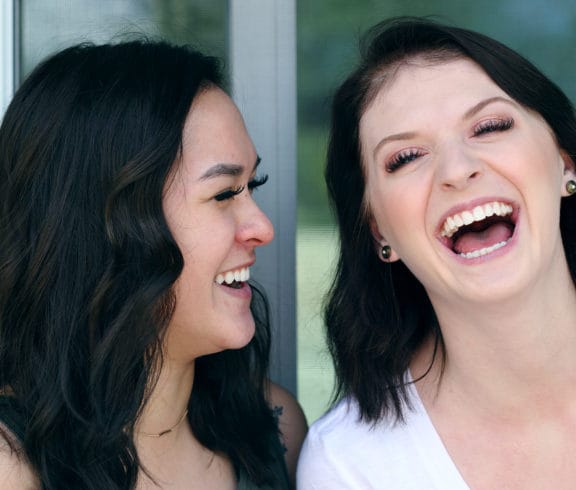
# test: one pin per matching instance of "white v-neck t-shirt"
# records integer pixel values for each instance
(341, 452)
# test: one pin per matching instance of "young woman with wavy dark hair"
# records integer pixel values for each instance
(133, 350)
(451, 316)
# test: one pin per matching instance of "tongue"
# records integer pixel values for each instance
(477, 240)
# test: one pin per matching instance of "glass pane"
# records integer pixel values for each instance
(327, 44)
(47, 26)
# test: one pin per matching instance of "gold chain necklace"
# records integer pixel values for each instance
(167, 431)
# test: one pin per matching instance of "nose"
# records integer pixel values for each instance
(254, 227)
(458, 168)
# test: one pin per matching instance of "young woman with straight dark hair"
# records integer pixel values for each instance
(133, 350)
(451, 316)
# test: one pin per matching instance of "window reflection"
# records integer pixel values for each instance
(47, 26)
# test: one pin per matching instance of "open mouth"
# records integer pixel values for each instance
(234, 279)
(479, 231)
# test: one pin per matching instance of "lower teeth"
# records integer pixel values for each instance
(483, 251)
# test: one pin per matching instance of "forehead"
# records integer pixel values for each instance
(214, 132)
(421, 95)
(212, 115)
(420, 86)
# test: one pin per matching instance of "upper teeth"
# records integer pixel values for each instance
(455, 222)
(238, 275)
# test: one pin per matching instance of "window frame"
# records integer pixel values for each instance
(262, 54)
(9, 15)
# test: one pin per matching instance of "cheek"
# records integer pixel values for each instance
(183, 290)
(541, 159)
(195, 280)
(552, 167)
(397, 210)
(192, 294)
(536, 173)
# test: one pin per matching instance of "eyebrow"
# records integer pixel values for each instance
(478, 107)
(469, 113)
(395, 137)
(226, 169)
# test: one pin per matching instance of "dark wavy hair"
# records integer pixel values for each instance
(377, 314)
(87, 265)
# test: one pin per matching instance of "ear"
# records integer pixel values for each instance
(380, 242)
(569, 175)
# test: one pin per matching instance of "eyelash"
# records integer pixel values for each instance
(485, 127)
(493, 125)
(402, 158)
(257, 182)
(231, 193)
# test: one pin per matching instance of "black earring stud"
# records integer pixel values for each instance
(387, 251)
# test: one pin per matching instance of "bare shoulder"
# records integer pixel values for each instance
(292, 424)
(15, 472)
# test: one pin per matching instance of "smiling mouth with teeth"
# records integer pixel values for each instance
(479, 231)
(234, 279)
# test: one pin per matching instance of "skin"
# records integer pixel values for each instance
(506, 407)
(15, 474)
(292, 424)
(455, 168)
(215, 235)
(217, 232)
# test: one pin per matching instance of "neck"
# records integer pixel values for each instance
(515, 353)
(176, 459)
(163, 416)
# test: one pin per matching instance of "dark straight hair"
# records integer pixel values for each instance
(87, 264)
(377, 314)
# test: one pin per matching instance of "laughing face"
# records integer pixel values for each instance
(463, 182)
(215, 221)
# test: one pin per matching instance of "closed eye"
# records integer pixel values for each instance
(401, 158)
(257, 182)
(492, 126)
(229, 193)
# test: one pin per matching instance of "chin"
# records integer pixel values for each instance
(244, 340)
(239, 335)
(216, 335)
